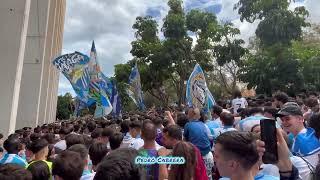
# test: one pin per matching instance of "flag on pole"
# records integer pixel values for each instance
(134, 91)
(75, 68)
(115, 101)
(79, 105)
(97, 91)
(197, 92)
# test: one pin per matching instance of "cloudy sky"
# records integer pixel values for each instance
(109, 24)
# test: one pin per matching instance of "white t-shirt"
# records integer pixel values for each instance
(239, 103)
(137, 143)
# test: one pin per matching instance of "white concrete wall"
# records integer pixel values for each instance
(33, 64)
(14, 16)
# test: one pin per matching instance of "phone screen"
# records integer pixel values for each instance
(269, 136)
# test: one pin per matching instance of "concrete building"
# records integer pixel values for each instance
(31, 35)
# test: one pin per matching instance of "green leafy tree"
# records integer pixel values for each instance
(272, 65)
(64, 106)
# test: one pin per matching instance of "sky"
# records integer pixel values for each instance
(109, 24)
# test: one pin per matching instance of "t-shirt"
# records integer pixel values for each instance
(87, 175)
(221, 130)
(247, 123)
(13, 159)
(152, 170)
(127, 139)
(307, 145)
(196, 132)
(137, 143)
(214, 124)
(239, 103)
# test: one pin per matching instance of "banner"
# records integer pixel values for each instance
(116, 101)
(78, 106)
(75, 68)
(197, 92)
(134, 91)
(97, 90)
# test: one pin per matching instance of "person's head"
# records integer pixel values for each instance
(203, 116)
(12, 145)
(115, 140)
(68, 165)
(313, 104)
(35, 136)
(193, 114)
(314, 122)
(255, 111)
(72, 139)
(40, 149)
(216, 111)
(125, 126)
(181, 119)
(91, 126)
(227, 119)
(300, 97)
(63, 132)
(148, 131)
(186, 170)
(172, 134)
(270, 112)
(39, 170)
(50, 137)
(235, 152)
(120, 164)
(97, 152)
(13, 172)
(106, 133)
(291, 117)
(135, 128)
(256, 129)
(313, 95)
(237, 94)
(96, 135)
(82, 150)
(279, 99)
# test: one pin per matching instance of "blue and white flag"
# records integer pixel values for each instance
(134, 91)
(197, 92)
(116, 102)
(75, 67)
(97, 87)
(79, 105)
(107, 85)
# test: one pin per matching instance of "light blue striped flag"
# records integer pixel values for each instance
(197, 92)
(134, 91)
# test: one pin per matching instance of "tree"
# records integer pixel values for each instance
(170, 60)
(272, 65)
(64, 106)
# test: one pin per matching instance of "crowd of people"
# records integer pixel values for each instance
(222, 144)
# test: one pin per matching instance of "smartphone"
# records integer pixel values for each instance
(269, 136)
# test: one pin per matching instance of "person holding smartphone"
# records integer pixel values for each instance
(305, 144)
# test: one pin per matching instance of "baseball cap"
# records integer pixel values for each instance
(290, 108)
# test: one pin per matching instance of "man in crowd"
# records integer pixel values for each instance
(236, 155)
(306, 143)
(196, 132)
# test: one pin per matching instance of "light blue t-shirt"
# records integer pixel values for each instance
(212, 125)
(13, 159)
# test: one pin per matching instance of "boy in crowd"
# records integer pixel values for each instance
(12, 146)
(306, 143)
(236, 155)
(68, 165)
